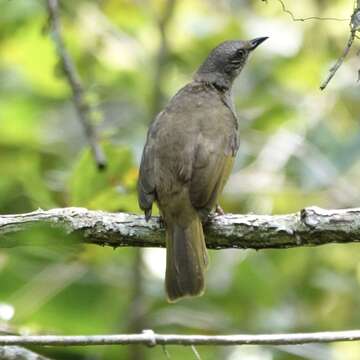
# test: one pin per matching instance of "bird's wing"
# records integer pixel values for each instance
(212, 166)
(146, 180)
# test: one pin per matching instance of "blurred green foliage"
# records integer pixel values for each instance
(299, 147)
(113, 189)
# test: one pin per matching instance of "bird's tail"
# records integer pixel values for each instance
(186, 260)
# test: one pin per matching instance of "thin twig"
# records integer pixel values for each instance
(85, 111)
(354, 28)
(153, 339)
(339, 62)
(294, 18)
(196, 353)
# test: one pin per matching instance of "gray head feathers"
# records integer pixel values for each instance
(226, 61)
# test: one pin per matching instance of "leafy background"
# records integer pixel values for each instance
(299, 147)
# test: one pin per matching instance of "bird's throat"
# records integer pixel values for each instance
(219, 81)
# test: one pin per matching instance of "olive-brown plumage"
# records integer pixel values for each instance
(186, 162)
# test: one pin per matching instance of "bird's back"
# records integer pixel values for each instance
(196, 124)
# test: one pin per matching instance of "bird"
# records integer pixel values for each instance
(187, 158)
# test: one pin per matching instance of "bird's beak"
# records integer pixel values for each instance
(254, 43)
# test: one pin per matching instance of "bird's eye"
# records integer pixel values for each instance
(240, 53)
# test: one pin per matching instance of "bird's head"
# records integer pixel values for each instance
(226, 61)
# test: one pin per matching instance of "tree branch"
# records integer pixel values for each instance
(149, 338)
(309, 227)
(84, 110)
(19, 353)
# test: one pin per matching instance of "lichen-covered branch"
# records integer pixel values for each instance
(309, 227)
(19, 353)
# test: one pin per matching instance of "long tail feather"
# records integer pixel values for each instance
(186, 260)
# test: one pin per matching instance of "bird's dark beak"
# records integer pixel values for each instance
(254, 43)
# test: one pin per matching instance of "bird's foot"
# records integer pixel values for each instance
(219, 210)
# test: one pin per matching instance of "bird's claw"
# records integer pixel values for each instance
(219, 210)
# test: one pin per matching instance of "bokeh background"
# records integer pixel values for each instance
(299, 147)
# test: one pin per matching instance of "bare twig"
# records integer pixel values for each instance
(339, 62)
(153, 339)
(196, 353)
(310, 227)
(354, 28)
(85, 111)
(19, 353)
(294, 18)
